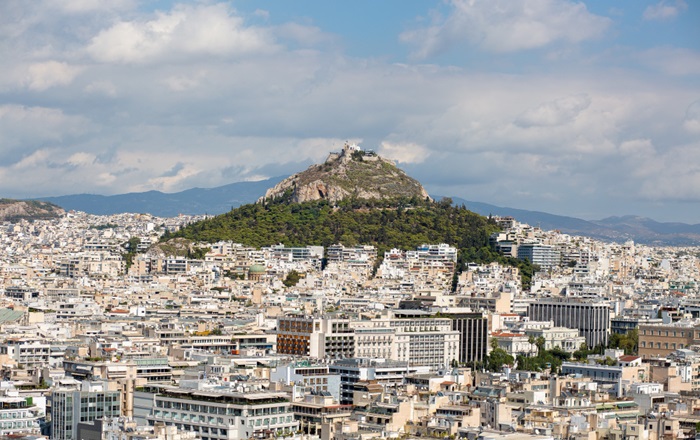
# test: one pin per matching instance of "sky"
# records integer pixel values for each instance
(589, 109)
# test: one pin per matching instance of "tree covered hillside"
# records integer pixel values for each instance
(403, 224)
(386, 224)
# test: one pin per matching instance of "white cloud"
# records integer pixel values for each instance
(556, 112)
(87, 6)
(407, 152)
(32, 160)
(41, 76)
(172, 88)
(81, 158)
(507, 26)
(302, 34)
(25, 127)
(664, 10)
(692, 118)
(186, 30)
(637, 148)
(106, 88)
(262, 13)
(672, 60)
(181, 83)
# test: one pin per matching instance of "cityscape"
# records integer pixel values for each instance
(275, 238)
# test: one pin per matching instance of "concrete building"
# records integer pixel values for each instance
(316, 337)
(473, 334)
(545, 256)
(660, 340)
(592, 319)
(216, 413)
(384, 372)
(72, 406)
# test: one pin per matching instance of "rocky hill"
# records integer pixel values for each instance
(14, 210)
(350, 174)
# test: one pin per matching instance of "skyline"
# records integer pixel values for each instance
(583, 109)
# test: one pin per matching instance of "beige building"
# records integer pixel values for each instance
(660, 340)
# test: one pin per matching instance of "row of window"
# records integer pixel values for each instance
(221, 410)
(666, 345)
(669, 333)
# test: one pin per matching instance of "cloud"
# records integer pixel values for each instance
(41, 76)
(302, 34)
(556, 112)
(81, 158)
(672, 60)
(106, 88)
(507, 26)
(664, 10)
(88, 6)
(404, 152)
(181, 83)
(212, 30)
(133, 100)
(692, 118)
(23, 127)
(637, 148)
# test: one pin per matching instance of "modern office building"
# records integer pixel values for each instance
(216, 413)
(473, 335)
(592, 319)
(71, 406)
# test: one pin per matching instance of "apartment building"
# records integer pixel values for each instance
(216, 412)
(545, 256)
(322, 337)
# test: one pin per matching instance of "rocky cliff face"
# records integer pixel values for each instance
(350, 174)
(13, 210)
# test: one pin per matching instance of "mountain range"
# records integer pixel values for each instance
(222, 199)
(192, 201)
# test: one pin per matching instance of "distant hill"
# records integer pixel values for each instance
(353, 199)
(192, 201)
(221, 199)
(619, 229)
(14, 210)
(351, 173)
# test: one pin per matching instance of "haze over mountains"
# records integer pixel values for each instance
(221, 199)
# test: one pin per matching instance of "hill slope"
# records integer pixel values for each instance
(384, 224)
(352, 173)
(14, 210)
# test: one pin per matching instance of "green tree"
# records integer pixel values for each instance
(540, 343)
(497, 359)
(292, 278)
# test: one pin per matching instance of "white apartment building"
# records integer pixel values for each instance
(216, 413)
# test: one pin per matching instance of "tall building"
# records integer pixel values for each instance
(316, 337)
(542, 255)
(71, 406)
(592, 319)
(473, 331)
